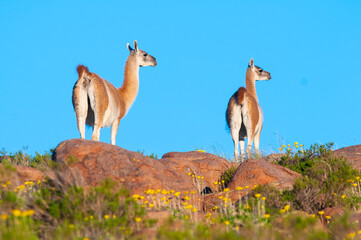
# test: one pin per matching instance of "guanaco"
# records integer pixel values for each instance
(99, 104)
(244, 115)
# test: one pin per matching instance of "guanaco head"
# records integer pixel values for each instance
(143, 58)
(258, 73)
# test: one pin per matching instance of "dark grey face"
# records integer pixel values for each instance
(261, 74)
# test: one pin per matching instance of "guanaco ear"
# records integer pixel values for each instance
(135, 45)
(129, 47)
(251, 63)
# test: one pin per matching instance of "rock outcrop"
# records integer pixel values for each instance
(259, 172)
(89, 163)
(17, 174)
(352, 153)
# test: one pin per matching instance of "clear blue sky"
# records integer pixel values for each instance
(311, 48)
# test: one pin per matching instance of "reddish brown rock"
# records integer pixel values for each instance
(199, 164)
(352, 153)
(90, 163)
(259, 172)
(18, 175)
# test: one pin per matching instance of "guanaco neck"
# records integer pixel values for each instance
(130, 87)
(250, 83)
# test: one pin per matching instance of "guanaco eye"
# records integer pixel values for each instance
(145, 54)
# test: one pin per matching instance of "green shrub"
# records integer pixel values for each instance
(325, 178)
(39, 161)
(228, 174)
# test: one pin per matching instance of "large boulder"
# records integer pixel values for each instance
(250, 173)
(18, 174)
(205, 168)
(89, 163)
(352, 153)
(259, 172)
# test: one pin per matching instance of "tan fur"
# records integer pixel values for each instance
(244, 116)
(99, 104)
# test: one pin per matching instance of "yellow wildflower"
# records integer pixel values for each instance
(328, 217)
(151, 205)
(267, 215)
(177, 194)
(189, 174)
(193, 192)
(28, 213)
(313, 215)
(106, 216)
(4, 216)
(187, 198)
(138, 219)
(85, 238)
(136, 196)
(208, 215)
(150, 191)
(257, 195)
(164, 192)
(282, 211)
(321, 212)
(215, 207)
(215, 183)
(355, 184)
(194, 210)
(246, 187)
(226, 190)
(114, 216)
(188, 206)
(264, 198)
(71, 226)
(239, 188)
(351, 235)
(343, 196)
(16, 212)
(287, 207)
(226, 222)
